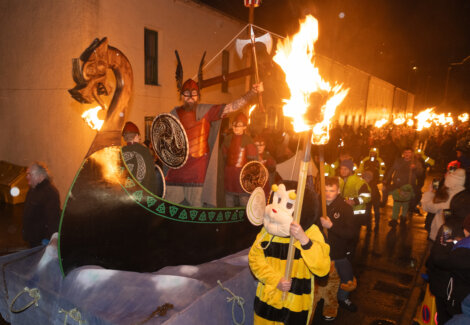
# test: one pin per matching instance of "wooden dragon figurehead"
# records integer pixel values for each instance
(91, 83)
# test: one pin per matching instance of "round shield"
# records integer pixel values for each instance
(169, 140)
(253, 175)
(256, 206)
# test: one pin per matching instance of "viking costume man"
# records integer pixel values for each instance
(238, 149)
(189, 184)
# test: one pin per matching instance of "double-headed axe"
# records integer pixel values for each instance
(267, 40)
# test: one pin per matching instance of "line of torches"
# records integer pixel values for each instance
(424, 119)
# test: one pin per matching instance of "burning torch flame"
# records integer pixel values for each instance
(399, 121)
(91, 117)
(380, 123)
(424, 119)
(295, 57)
(410, 122)
(463, 117)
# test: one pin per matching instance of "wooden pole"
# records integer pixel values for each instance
(298, 202)
(321, 158)
(322, 179)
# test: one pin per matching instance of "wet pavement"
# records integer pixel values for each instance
(387, 266)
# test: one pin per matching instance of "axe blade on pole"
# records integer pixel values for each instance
(266, 39)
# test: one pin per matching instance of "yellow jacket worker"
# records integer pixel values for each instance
(267, 259)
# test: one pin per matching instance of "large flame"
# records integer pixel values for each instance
(424, 119)
(463, 117)
(427, 118)
(399, 121)
(295, 57)
(380, 123)
(91, 117)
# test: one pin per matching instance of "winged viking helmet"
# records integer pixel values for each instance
(188, 84)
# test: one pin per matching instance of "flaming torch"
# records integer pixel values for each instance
(312, 105)
(91, 117)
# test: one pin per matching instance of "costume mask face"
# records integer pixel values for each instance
(277, 216)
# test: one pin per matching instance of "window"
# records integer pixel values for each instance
(151, 57)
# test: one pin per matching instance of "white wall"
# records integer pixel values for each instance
(38, 38)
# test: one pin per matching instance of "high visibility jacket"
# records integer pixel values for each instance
(375, 164)
(427, 160)
(356, 189)
(329, 171)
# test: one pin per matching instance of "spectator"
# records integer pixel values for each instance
(437, 200)
(42, 206)
(405, 170)
(368, 176)
(340, 224)
(449, 268)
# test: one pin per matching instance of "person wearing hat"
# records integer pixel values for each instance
(438, 200)
(238, 149)
(449, 268)
(190, 184)
(138, 158)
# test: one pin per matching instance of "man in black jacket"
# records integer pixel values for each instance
(340, 225)
(42, 206)
(449, 268)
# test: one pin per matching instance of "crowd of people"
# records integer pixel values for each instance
(359, 162)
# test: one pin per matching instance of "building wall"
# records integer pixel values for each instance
(38, 118)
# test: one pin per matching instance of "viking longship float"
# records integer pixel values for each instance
(109, 219)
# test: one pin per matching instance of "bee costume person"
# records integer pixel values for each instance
(268, 255)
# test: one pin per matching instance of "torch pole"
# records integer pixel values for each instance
(322, 183)
(298, 202)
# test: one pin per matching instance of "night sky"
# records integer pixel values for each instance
(386, 38)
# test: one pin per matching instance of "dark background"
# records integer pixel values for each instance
(409, 43)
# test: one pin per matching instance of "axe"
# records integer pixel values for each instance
(267, 41)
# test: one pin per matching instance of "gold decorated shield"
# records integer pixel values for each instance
(253, 175)
(169, 140)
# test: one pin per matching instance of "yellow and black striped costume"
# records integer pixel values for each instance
(268, 265)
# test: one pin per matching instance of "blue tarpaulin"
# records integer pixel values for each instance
(94, 295)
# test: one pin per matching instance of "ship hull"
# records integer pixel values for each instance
(110, 220)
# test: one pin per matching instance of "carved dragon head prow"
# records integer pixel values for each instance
(91, 82)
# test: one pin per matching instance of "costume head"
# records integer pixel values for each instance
(276, 216)
(189, 85)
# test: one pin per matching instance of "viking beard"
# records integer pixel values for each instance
(189, 106)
